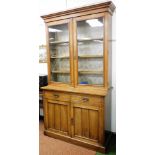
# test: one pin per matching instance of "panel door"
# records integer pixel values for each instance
(57, 116)
(88, 119)
(59, 42)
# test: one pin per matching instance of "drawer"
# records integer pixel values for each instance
(87, 100)
(57, 96)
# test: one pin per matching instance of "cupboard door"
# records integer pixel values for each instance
(89, 43)
(60, 51)
(88, 120)
(58, 118)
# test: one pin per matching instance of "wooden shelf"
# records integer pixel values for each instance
(90, 72)
(90, 56)
(59, 57)
(58, 42)
(61, 72)
(80, 72)
(79, 40)
(90, 39)
(80, 56)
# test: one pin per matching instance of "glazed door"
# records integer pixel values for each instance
(87, 115)
(57, 116)
(59, 39)
(89, 50)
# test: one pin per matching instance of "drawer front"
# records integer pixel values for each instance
(86, 100)
(57, 96)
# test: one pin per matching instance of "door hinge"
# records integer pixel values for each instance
(72, 121)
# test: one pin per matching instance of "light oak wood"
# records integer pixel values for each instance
(77, 117)
(46, 114)
(64, 119)
(85, 123)
(57, 96)
(71, 50)
(75, 47)
(88, 100)
(94, 123)
(106, 48)
(79, 89)
(86, 113)
(58, 22)
(76, 112)
(57, 118)
(101, 125)
(51, 115)
(86, 10)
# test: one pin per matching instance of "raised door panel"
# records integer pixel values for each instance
(64, 119)
(51, 115)
(85, 122)
(58, 117)
(94, 124)
(78, 121)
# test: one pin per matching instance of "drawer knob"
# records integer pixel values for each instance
(85, 99)
(56, 95)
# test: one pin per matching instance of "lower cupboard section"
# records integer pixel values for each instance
(79, 119)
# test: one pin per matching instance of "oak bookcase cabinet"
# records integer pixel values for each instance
(79, 73)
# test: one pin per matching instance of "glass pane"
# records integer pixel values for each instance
(59, 50)
(90, 51)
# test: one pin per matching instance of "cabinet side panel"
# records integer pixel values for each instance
(108, 111)
(77, 115)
